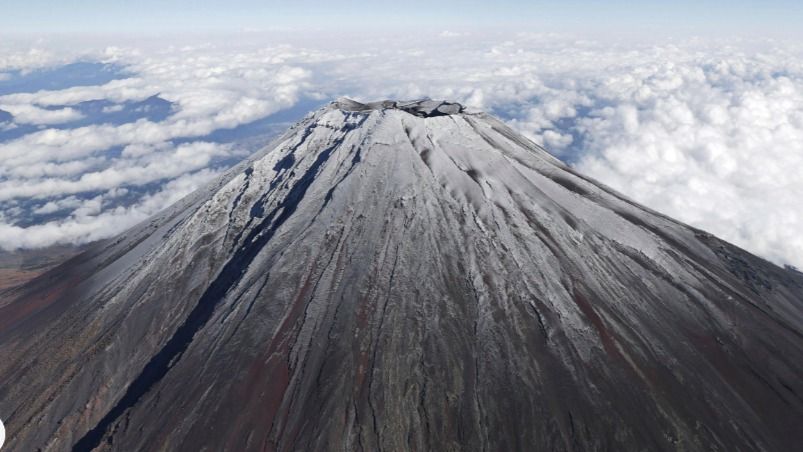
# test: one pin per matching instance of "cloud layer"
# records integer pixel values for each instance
(705, 131)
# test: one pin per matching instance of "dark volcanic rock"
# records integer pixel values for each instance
(420, 108)
(405, 276)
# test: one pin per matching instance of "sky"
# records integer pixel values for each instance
(775, 17)
(110, 113)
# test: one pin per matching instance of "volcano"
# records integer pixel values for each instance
(405, 276)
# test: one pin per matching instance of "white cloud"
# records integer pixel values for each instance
(70, 202)
(710, 132)
(89, 222)
(30, 114)
(153, 167)
(720, 150)
(211, 91)
(31, 58)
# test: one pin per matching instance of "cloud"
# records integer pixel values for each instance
(32, 58)
(720, 147)
(70, 202)
(81, 174)
(90, 222)
(30, 114)
(707, 131)
(123, 172)
(451, 34)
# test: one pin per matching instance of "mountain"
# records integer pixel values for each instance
(20, 266)
(405, 276)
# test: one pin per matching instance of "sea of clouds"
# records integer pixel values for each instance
(709, 131)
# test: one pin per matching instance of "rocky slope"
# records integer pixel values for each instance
(405, 276)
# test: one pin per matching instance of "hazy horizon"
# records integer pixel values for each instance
(685, 18)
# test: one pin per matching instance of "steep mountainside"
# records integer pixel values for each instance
(20, 266)
(405, 276)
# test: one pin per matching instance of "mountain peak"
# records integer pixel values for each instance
(424, 108)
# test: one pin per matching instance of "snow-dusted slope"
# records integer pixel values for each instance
(405, 276)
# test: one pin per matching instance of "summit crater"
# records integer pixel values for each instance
(423, 108)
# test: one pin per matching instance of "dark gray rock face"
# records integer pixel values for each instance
(405, 276)
(420, 108)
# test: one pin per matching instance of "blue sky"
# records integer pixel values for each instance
(96, 16)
